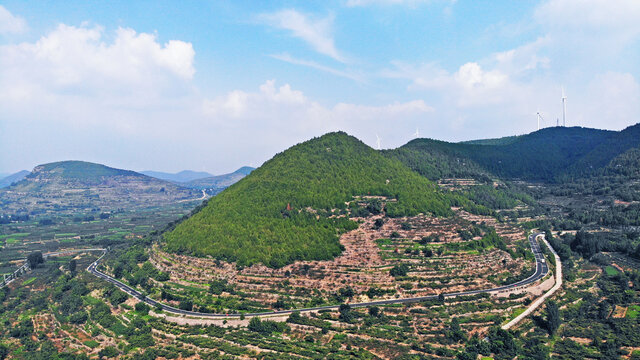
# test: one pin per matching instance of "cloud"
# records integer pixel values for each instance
(282, 113)
(70, 62)
(317, 32)
(314, 65)
(598, 14)
(11, 24)
(412, 3)
(611, 97)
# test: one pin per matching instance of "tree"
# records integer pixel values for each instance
(72, 266)
(455, 332)
(374, 311)
(186, 305)
(4, 351)
(345, 313)
(142, 308)
(109, 352)
(34, 259)
(399, 270)
(553, 317)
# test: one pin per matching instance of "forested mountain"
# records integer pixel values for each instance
(551, 154)
(75, 185)
(290, 208)
(219, 181)
(182, 176)
(10, 179)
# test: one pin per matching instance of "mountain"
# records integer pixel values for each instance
(552, 154)
(77, 185)
(293, 207)
(219, 181)
(182, 176)
(10, 179)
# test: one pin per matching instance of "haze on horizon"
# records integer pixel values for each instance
(213, 86)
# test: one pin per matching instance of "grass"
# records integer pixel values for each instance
(14, 235)
(29, 281)
(66, 235)
(384, 242)
(611, 271)
(632, 311)
(517, 312)
(92, 344)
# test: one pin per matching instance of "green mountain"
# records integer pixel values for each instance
(219, 181)
(551, 154)
(289, 209)
(78, 185)
(182, 176)
(7, 180)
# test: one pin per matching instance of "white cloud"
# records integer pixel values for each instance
(314, 65)
(11, 24)
(611, 97)
(282, 113)
(317, 32)
(69, 62)
(472, 76)
(598, 14)
(412, 3)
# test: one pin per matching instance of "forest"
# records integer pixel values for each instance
(294, 206)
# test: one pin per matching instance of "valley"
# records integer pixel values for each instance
(372, 252)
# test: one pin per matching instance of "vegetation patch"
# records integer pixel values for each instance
(286, 210)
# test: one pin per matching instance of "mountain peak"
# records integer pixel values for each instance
(249, 222)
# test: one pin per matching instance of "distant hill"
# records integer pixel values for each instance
(182, 176)
(78, 185)
(288, 209)
(219, 181)
(10, 179)
(498, 141)
(551, 154)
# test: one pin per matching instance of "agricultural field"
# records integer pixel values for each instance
(88, 229)
(106, 323)
(382, 258)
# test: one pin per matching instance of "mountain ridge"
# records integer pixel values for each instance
(550, 154)
(76, 185)
(294, 206)
(181, 176)
(12, 178)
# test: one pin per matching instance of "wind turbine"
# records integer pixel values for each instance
(564, 108)
(378, 142)
(416, 134)
(539, 116)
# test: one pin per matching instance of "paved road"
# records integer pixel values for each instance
(539, 301)
(542, 269)
(8, 279)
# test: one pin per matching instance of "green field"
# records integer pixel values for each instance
(632, 311)
(611, 271)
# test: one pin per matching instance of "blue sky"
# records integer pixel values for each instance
(212, 86)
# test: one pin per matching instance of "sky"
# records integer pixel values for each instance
(216, 85)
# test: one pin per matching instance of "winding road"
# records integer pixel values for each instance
(542, 268)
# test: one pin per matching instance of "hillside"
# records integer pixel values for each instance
(77, 185)
(219, 182)
(10, 179)
(551, 154)
(182, 176)
(288, 209)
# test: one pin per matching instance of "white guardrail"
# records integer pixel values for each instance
(539, 301)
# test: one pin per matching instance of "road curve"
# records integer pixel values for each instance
(542, 269)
